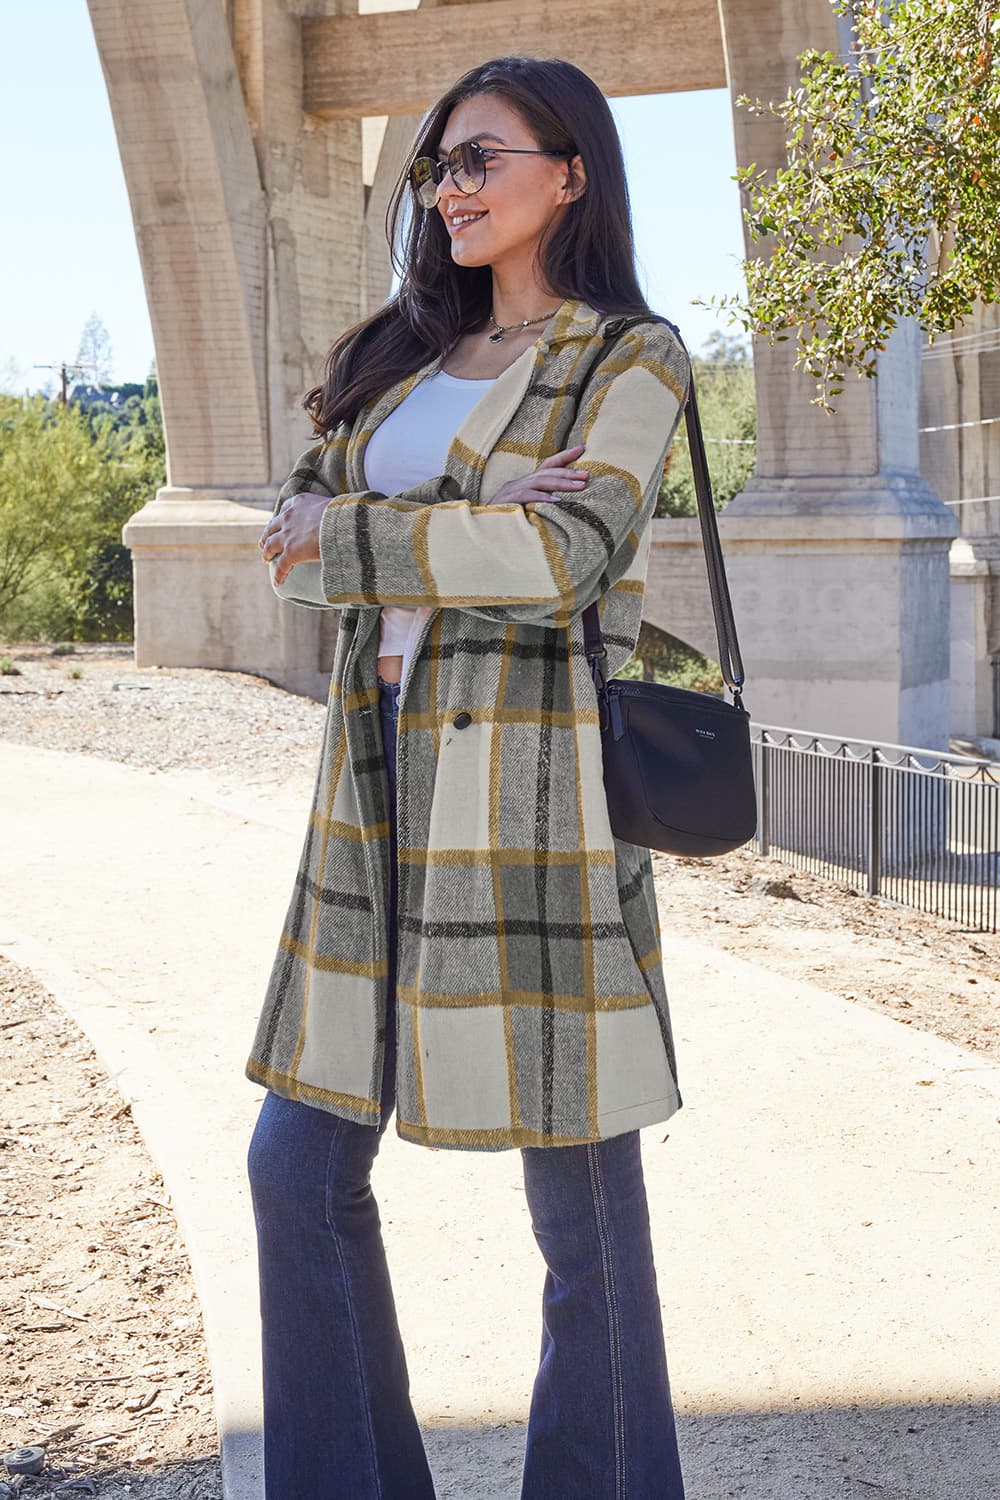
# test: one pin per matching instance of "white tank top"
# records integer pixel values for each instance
(408, 447)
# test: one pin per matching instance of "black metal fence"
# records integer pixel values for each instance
(914, 826)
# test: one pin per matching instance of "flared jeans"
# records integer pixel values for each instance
(338, 1422)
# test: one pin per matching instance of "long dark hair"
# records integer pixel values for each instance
(588, 253)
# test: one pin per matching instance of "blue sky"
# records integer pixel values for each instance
(68, 247)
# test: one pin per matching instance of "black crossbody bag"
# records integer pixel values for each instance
(678, 768)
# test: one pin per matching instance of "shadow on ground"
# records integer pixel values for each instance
(919, 1452)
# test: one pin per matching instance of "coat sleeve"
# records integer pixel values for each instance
(319, 470)
(539, 563)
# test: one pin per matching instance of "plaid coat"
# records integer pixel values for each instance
(532, 1009)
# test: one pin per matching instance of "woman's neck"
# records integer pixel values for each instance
(522, 297)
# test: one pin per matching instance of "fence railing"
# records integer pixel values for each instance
(917, 827)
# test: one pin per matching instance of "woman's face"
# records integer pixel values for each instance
(520, 196)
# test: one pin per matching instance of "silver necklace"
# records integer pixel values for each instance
(495, 338)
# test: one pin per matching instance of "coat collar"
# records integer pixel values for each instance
(574, 320)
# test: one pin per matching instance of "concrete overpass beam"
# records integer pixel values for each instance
(345, 56)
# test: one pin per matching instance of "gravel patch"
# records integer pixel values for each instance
(922, 971)
(162, 717)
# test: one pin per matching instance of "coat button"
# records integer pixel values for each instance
(462, 721)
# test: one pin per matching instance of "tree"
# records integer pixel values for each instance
(94, 356)
(892, 151)
(10, 376)
(130, 439)
(661, 657)
(69, 480)
(50, 468)
(724, 385)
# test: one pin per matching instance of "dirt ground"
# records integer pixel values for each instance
(101, 1345)
(103, 1352)
(921, 970)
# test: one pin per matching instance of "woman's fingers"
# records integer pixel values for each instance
(532, 496)
(293, 533)
(272, 550)
(559, 479)
(544, 484)
(270, 546)
(564, 456)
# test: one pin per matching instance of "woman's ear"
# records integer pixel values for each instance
(576, 179)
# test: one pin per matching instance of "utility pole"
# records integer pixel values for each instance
(62, 368)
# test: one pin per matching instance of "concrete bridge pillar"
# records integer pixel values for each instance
(837, 549)
(960, 455)
(248, 218)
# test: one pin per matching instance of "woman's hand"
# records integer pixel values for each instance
(552, 478)
(292, 536)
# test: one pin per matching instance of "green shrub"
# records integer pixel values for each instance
(661, 657)
(69, 480)
(40, 613)
(724, 387)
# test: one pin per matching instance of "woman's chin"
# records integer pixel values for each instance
(468, 255)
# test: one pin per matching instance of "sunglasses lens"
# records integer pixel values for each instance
(468, 169)
(424, 177)
(465, 163)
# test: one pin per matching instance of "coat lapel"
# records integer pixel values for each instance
(370, 417)
(473, 442)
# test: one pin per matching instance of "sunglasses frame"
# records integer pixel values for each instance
(440, 167)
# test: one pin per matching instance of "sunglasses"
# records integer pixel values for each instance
(467, 164)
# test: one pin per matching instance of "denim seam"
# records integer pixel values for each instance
(614, 1322)
(355, 1339)
(389, 705)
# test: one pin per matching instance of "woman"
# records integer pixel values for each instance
(466, 940)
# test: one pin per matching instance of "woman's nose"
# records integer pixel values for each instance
(446, 185)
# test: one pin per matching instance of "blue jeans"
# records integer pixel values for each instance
(338, 1423)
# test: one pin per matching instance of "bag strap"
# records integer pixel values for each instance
(730, 659)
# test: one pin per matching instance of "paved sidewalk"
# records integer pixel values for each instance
(825, 1205)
